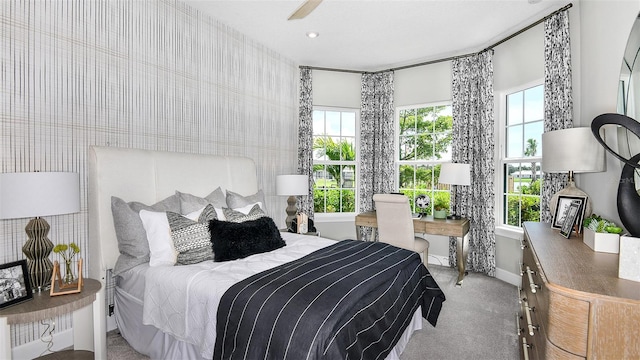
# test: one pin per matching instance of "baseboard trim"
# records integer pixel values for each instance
(509, 277)
(438, 260)
(501, 274)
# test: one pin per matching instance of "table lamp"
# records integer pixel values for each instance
(573, 150)
(455, 174)
(36, 194)
(292, 186)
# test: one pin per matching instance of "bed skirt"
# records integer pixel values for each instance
(150, 341)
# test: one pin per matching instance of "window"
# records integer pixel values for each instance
(334, 160)
(424, 141)
(522, 154)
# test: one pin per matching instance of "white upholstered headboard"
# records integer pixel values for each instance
(148, 177)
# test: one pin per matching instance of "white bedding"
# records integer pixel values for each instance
(188, 310)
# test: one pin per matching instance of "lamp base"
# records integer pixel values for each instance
(37, 250)
(570, 190)
(291, 210)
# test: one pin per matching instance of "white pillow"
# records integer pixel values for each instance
(161, 249)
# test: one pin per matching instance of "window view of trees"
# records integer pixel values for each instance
(334, 164)
(522, 171)
(424, 140)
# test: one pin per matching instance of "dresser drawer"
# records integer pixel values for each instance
(567, 324)
(552, 352)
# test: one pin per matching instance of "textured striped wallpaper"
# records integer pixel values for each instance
(143, 74)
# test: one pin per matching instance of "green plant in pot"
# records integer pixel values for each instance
(440, 207)
(601, 225)
(67, 252)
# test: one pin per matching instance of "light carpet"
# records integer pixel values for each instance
(477, 321)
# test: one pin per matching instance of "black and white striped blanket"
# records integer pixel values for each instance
(351, 300)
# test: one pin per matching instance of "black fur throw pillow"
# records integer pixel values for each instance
(233, 241)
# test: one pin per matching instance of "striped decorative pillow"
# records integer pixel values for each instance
(237, 217)
(192, 239)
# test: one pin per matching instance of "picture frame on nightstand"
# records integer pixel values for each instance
(14, 283)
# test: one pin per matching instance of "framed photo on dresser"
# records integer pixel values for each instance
(563, 206)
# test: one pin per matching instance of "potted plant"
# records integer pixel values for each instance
(67, 252)
(440, 207)
(601, 235)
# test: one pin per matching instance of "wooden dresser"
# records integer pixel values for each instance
(573, 305)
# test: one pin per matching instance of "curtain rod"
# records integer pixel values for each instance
(566, 7)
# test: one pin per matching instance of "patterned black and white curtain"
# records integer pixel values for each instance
(558, 99)
(305, 138)
(376, 150)
(473, 143)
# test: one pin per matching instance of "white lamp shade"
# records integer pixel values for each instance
(33, 194)
(574, 149)
(455, 174)
(292, 185)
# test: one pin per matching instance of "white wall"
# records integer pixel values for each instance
(122, 73)
(604, 29)
(599, 31)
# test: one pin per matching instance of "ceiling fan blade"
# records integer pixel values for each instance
(305, 9)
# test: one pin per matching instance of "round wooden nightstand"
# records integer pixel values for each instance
(86, 306)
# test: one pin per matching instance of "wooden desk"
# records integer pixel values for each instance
(429, 225)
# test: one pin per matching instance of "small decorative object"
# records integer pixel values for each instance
(422, 202)
(570, 219)
(59, 287)
(302, 221)
(601, 235)
(67, 252)
(629, 261)
(628, 197)
(440, 208)
(562, 207)
(14, 283)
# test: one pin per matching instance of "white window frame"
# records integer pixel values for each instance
(397, 161)
(502, 228)
(343, 216)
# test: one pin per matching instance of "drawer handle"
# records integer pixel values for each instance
(520, 267)
(519, 289)
(518, 317)
(525, 348)
(527, 312)
(531, 283)
(523, 244)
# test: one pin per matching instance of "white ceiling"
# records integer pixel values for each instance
(373, 35)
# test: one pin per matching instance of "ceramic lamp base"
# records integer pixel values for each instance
(291, 211)
(37, 250)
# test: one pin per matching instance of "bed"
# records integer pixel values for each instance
(171, 312)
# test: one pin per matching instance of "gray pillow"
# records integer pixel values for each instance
(190, 203)
(192, 239)
(238, 217)
(132, 238)
(235, 200)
